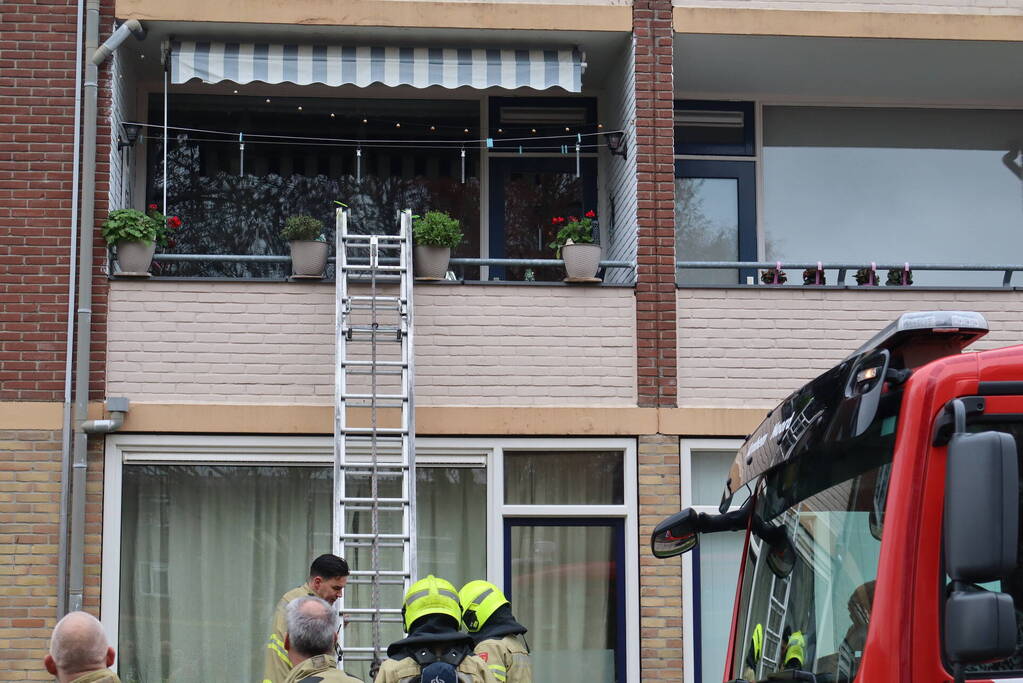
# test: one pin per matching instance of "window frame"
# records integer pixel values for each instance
(749, 145)
(312, 451)
(691, 632)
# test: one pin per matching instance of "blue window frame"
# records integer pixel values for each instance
(744, 211)
(714, 127)
(617, 527)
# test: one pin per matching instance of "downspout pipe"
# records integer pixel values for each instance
(117, 408)
(65, 432)
(130, 27)
(83, 346)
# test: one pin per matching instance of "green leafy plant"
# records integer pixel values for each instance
(866, 276)
(437, 229)
(575, 230)
(774, 276)
(303, 229)
(900, 277)
(132, 225)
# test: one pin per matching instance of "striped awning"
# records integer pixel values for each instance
(419, 67)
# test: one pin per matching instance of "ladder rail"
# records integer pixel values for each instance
(374, 462)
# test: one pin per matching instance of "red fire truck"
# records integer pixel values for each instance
(882, 518)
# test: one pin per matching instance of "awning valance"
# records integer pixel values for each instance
(419, 67)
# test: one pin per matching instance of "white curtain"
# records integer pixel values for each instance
(563, 583)
(206, 551)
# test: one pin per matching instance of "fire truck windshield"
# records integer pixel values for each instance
(808, 580)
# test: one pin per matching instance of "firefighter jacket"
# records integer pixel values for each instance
(507, 658)
(319, 668)
(470, 670)
(277, 665)
(101, 676)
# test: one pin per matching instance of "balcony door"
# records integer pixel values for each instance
(525, 194)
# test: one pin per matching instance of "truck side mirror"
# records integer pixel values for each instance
(676, 535)
(981, 506)
(979, 626)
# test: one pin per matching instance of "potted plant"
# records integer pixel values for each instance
(814, 276)
(575, 244)
(900, 277)
(308, 246)
(867, 276)
(435, 234)
(774, 276)
(135, 235)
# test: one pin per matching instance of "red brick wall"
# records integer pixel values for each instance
(37, 76)
(655, 281)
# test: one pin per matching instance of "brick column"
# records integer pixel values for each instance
(655, 277)
(660, 581)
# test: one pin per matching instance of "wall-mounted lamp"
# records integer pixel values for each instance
(131, 131)
(615, 143)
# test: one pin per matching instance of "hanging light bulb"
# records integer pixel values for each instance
(567, 129)
(600, 125)
(300, 107)
(332, 114)
(433, 128)
(533, 131)
(268, 100)
(466, 131)
(397, 125)
(365, 121)
(235, 92)
(500, 130)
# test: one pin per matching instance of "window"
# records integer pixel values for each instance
(710, 572)
(715, 189)
(233, 194)
(893, 186)
(249, 512)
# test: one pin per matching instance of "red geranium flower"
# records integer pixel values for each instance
(591, 214)
(574, 219)
(173, 222)
(153, 207)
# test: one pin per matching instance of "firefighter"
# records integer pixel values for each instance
(328, 575)
(498, 636)
(310, 641)
(434, 647)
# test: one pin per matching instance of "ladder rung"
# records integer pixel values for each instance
(362, 619)
(378, 373)
(370, 610)
(370, 329)
(396, 501)
(395, 469)
(369, 582)
(379, 430)
(366, 403)
(383, 537)
(362, 237)
(368, 268)
(381, 572)
(379, 397)
(369, 363)
(369, 508)
(367, 297)
(365, 544)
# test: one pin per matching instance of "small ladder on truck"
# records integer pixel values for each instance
(374, 454)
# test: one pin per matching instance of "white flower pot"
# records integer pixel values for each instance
(581, 260)
(308, 258)
(431, 262)
(135, 257)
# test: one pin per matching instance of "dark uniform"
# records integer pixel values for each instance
(319, 668)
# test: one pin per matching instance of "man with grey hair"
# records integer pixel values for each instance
(79, 652)
(309, 642)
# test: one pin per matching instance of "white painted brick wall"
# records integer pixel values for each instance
(621, 183)
(246, 342)
(751, 348)
(901, 6)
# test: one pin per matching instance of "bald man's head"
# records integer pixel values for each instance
(78, 645)
(312, 628)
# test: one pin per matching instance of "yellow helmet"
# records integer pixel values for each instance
(479, 599)
(430, 596)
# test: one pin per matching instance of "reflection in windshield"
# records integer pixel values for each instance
(815, 617)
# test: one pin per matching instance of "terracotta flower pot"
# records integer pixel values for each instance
(308, 258)
(431, 262)
(135, 257)
(581, 260)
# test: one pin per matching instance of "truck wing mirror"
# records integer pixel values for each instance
(676, 535)
(979, 627)
(981, 506)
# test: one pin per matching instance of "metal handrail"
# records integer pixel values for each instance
(273, 258)
(1006, 269)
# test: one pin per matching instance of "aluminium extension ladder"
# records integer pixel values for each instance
(374, 465)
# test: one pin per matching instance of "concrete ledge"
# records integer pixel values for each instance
(769, 22)
(386, 13)
(38, 415)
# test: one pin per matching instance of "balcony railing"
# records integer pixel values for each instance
(844, 267)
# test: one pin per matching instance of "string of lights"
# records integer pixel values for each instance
(233, 136)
